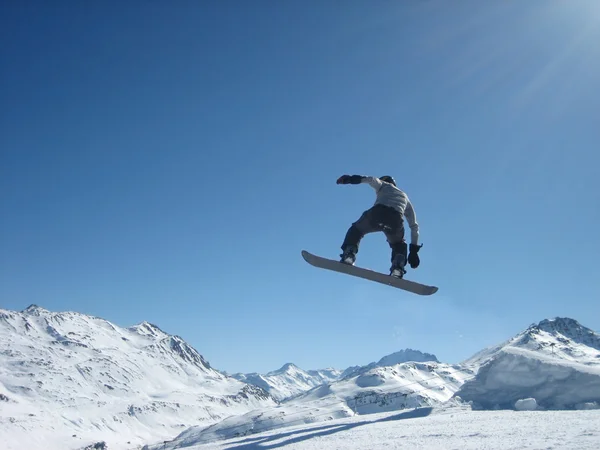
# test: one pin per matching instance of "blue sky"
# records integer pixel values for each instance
(168, 163)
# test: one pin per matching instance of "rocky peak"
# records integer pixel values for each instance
(406, 355)
(564, 327)
(35, 310)
(148, 329)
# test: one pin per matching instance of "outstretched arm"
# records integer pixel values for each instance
(374, 182)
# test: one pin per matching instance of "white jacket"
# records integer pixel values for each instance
(390, 195)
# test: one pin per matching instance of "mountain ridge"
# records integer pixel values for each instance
(558, 365)
(290, 380)
(139, 384)
(107, 380)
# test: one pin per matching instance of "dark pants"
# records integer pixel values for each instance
(380, 218)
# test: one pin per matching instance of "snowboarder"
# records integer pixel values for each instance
(387, 215)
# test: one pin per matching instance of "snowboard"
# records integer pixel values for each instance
(367, 274)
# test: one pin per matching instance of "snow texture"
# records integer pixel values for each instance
(71, 381)
(290, 380)
(391, 388)
(68, 380)
(526, 404)
(453, 427)
(556, 362)
(407, 355)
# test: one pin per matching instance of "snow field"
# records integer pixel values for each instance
(428, 428)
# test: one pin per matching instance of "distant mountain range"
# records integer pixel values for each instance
(290, 380)
(69, 380)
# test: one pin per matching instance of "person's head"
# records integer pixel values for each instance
(388, 179)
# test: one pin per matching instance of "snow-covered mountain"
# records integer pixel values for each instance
(407, 355)
(369, 389)
(68, 379)
(392, 387)
(562, 337)
(555, 362)
(289, 380)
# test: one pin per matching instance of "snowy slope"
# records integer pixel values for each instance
(67, 379)
(425, 428)
(388, 388)
(556, 362)
(290, 380)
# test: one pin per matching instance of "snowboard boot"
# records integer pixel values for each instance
(398, 263)
(397, 272)
(349, 255)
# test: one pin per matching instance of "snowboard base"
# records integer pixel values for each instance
(367, 274)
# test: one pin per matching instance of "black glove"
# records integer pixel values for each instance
(349, 179)
(413, 257)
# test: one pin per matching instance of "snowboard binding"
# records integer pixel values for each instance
(397, 272)
(349, 256)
